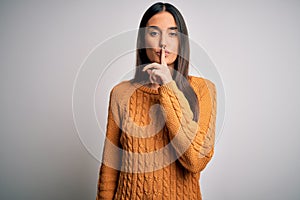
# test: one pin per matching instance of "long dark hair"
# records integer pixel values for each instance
(181, 65)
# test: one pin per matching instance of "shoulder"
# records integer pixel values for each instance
(202, 85)
(121, 92)
(119, 89)
(121, 86)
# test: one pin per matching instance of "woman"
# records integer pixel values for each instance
(161, 124)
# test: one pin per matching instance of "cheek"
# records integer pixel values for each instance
(174, 46)
(151, 42)
(151, 54)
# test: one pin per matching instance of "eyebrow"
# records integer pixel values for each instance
(157, 28)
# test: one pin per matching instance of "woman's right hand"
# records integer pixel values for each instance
(159, 73)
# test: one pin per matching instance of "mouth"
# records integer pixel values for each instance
(166, 53)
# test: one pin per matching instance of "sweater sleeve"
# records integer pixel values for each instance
(193, 141)
(109, 169)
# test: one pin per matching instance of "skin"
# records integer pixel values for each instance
(162, 41)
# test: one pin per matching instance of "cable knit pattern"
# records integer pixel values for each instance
(152, 151)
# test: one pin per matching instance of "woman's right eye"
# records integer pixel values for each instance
(153, 33)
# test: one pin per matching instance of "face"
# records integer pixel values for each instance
(161, 29)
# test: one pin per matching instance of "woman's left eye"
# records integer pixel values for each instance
(173, 34)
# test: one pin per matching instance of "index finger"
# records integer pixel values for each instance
(163, 56)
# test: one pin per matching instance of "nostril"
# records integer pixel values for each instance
(163, 46)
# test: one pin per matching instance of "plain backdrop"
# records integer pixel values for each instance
(254, 44)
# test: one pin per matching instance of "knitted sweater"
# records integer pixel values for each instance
(153, 148)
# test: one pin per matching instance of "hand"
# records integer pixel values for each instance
(159, 73)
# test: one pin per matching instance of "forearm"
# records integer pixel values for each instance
(192, 141)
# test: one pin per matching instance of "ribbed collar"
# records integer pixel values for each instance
(144, 88)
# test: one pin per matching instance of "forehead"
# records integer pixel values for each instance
(164, 20)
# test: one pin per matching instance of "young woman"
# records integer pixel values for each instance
(161, 124)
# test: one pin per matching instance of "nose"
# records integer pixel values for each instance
(163, 41)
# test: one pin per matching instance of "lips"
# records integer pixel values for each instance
(166, 53)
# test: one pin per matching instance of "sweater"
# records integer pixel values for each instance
(153, 148)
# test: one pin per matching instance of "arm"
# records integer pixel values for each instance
(192, 141)
(109, 173)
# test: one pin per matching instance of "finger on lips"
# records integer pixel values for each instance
(153, 67)
(163, 54)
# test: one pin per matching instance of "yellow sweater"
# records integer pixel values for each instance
(153, 148)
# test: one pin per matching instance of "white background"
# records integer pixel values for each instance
(254, 44)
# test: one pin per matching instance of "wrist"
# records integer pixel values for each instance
(167, 80)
